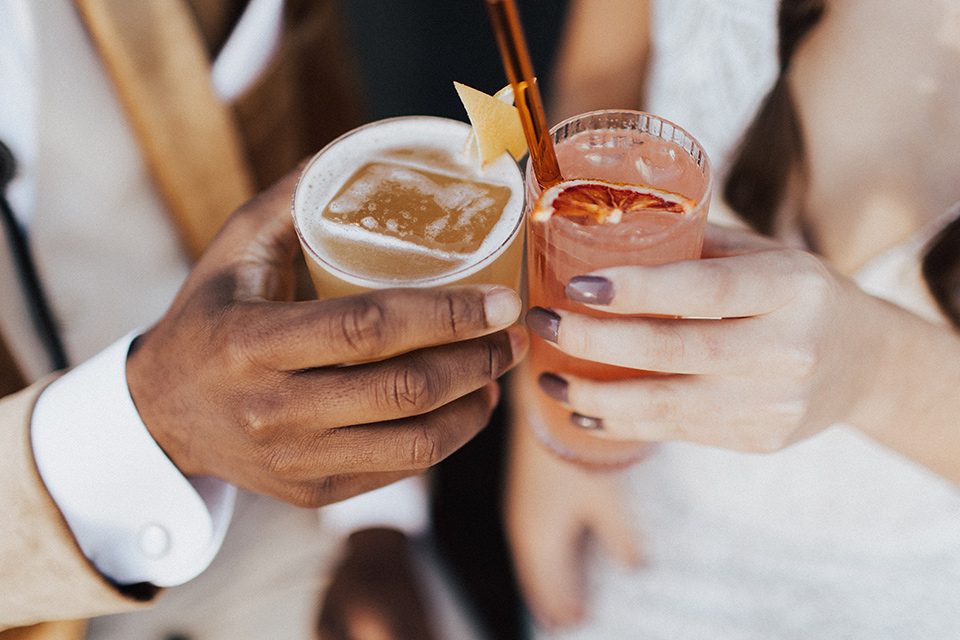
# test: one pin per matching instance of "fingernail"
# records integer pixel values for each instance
(586, 422)
(554, 386)
(502, 306)
(590, 290)
(544, 323)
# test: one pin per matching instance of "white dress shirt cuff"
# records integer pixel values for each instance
(402, 505)
(134, 515)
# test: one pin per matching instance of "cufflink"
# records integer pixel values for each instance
(154, 541)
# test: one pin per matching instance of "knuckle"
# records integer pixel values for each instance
(812, 277)
(661, 408)
(672, 346)
(280, 462)
(422, 449)
(412, 388)
(715, 283)
(802, 360)
(312, 495)
(715, 347)
(362, 326)
(238, 350)
(257, 424)
(457, 314)
(665, 347)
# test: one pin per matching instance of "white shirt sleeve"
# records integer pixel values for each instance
(135, 516)
(402, 505)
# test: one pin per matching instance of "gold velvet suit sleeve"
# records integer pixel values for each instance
(43, 573)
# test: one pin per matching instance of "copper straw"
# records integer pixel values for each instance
(526, 94)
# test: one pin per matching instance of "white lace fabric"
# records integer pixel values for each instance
(713, 62)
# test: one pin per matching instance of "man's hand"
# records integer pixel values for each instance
(375, 592)
(239, 382)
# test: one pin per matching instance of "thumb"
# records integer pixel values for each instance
(256, 247)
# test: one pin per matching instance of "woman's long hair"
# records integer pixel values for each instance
(772, 148)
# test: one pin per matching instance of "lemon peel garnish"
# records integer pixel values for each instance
(496, 124)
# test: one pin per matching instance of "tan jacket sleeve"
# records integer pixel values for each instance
(43, 573)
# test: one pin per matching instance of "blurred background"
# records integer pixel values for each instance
(411, 52)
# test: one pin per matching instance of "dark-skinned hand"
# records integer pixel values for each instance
(240, 382)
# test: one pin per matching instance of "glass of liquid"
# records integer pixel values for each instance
(394, 203)
(630, 148)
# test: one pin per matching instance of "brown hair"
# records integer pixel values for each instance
(772, 148)
(773, 144)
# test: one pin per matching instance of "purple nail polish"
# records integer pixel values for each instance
(544, 323)
(586, 422)
(554, 386)
(590, 290)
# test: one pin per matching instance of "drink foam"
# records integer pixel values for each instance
(421, 153)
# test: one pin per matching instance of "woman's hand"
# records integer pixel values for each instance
(762, 346)
(552, 508)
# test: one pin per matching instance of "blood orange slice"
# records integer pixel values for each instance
(593, 202)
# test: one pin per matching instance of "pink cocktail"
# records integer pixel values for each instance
(626, 147)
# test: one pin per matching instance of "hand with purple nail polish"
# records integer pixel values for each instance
(756, 347)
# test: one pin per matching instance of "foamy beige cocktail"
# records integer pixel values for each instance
(395, 203)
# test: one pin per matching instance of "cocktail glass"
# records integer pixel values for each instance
(628, 147)
(394, 203)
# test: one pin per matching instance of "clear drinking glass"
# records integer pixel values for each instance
(628, 147)
(395, 204)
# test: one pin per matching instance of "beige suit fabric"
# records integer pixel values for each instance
(40, 557)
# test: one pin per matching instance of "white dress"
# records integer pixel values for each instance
(835, 537)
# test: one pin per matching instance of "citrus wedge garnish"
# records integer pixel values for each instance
(594, 202)
(495, 121)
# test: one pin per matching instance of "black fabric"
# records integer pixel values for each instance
(43, 319)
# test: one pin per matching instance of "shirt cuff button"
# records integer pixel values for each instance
(154, 541)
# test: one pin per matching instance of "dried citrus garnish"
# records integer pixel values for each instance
(592, 202)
